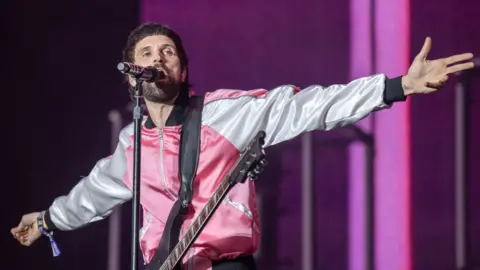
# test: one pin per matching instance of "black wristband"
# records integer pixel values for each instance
(48, 221)
(393, 91)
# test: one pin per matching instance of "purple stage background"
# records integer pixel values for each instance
(60, 124)
(252, 44)
(454, 28)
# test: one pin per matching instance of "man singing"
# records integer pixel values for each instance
(229, 121)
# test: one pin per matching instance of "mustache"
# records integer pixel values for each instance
(162, 67)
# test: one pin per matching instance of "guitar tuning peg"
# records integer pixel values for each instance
(258, 170)
(263, 162)
(253, 176)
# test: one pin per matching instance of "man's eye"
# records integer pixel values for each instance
(168, 52)
(146, 54)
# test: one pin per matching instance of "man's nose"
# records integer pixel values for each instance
(159, 58)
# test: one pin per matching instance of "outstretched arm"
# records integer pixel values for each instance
(92, 199)
(286, 111)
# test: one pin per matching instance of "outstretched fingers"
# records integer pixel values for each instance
(460, 67)
(458, 58)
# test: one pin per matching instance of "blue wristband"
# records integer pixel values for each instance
(53, 244)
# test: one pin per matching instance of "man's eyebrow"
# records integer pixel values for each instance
(146, 48)
(164, 46)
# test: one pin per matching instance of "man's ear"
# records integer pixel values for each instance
(184, 74)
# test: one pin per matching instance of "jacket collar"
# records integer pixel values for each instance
(177, 115)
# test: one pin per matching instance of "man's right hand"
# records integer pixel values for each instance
(27, 231)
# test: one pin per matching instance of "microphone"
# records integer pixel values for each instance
(148, 74)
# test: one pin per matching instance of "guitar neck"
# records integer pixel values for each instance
(187, 240)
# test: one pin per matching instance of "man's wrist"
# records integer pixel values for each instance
(47, 221)
(407, 85)
(42, 228)
(393, 91)
(45, 225)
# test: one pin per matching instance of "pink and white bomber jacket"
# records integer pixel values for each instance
(230, 119)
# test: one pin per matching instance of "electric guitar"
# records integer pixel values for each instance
(250, 164)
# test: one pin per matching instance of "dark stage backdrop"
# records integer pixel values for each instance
(62, 58)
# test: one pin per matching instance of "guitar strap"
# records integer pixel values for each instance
(188, 164)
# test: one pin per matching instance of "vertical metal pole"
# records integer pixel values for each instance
(369, 157)
(461, 176)
(114, 220)
(369, 162)
(307, 203)
(462, 167)
(369, 205)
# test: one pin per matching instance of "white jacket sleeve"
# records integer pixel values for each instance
(96, 195)
(286, 112)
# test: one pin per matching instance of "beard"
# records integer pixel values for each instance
(164, 91)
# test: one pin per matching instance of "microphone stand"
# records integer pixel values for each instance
(137, 118)
(140, 74)
(463, 242)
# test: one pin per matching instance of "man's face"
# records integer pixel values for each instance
(159, 51)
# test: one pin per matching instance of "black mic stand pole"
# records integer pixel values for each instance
(463, 115)
(137, 118)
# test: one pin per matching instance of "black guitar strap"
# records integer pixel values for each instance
(188, 164)
(190, 149)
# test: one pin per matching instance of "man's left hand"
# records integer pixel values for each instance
(427, 76)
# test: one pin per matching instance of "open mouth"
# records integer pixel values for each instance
(164, 72)
(161, 69)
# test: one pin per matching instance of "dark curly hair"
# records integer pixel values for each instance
(153, 29)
